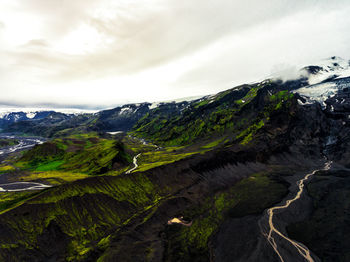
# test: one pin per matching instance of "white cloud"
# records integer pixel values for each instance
(97, 53)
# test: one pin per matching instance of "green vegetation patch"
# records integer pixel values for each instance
(237, 114)
(10, 199)
(54, 165)
(101, 158)
(54, 177)
(86, 211)
(40, 155)
(6, 168)
(280, 97)
(249, 96)
(250, 131)
(168, 155)
(83, 153)
(214, 143)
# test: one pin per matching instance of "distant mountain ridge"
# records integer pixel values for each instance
(317, 82)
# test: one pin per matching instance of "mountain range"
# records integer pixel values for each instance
(259, 172)
(315, 83)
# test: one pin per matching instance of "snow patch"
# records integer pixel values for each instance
(115, 132)
(31, 115)
(334, 67)
(154, 105)
(124, 110)
(319, 92)
(32, 111)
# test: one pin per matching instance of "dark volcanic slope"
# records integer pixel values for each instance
(112, 217)
(327, 231)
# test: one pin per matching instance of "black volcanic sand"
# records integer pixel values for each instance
(327, 231)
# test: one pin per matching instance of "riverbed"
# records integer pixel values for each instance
(23, 144)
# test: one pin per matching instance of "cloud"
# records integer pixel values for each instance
(108, 52)
(36, 43)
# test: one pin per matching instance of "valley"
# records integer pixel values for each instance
(253, 173)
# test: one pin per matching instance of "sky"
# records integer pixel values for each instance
(103, 53)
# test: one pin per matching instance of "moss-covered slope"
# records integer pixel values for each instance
(96, 217)
(237, 113)
(87, 153)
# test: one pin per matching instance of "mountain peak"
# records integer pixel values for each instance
(330, 68)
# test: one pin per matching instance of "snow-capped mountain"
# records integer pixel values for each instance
(31, 113)
(325, 80)
(332, 68)
(13, 115)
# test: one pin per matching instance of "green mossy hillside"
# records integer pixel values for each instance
(4, 168)
(11, 199)
(82, 214)
(238, 114)
(84, 153)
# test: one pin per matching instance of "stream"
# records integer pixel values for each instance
(135, 164)
(24, 143)
(302, 249)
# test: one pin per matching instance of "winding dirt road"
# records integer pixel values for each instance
(302, 250)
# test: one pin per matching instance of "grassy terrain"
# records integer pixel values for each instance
(54, 165)
(152, 156)
(137, 146)
(83, 153)
(54, 177)
(151, 160)
(215, 143)
(4, 168)
(86, 212)
(11, 199)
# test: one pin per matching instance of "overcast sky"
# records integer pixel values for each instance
(100, 53)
